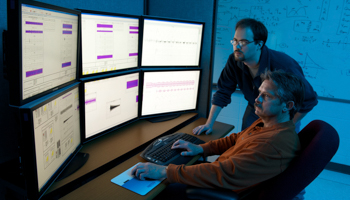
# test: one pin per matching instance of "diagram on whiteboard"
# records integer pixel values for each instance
(313, 32)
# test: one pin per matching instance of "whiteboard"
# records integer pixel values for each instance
(313, 32)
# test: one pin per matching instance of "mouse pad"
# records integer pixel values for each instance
(128, 181)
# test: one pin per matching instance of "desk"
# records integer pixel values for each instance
(102, 188)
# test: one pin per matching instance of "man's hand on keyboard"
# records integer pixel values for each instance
(149, 170)
(191, 149)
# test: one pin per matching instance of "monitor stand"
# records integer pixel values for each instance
(163, 118)
(78, 161)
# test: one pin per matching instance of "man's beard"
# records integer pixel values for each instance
(239, 58)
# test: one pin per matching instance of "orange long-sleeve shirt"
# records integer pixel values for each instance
(247, 158)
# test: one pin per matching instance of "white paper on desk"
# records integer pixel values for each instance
(128, 181)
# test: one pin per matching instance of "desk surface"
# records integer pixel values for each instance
(108, 148)
(102, 187)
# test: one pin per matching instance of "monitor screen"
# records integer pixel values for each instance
(169, 91)
(171, 43)
(49, 48)
(109, 42)
(46, 56)
(110, 102)
(51, 128)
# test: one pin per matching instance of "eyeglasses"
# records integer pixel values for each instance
(241, 43)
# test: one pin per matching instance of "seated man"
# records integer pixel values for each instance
(260, 152)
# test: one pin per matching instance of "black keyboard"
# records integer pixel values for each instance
(160, 151)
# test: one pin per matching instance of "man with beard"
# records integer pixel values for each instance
(251, 58)
(260, 152)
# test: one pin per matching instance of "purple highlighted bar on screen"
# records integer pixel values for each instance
(104, 26)
(131, 84)
(134, 27)
(90, 101)
(66, 64)
(34, 72)
(103, 31)
(133, 54)
(29, 31)
(67, 32)
(67, 95)
(34, 23)
(70, 26)
(133, 32)
(105, 56)
(137, 98)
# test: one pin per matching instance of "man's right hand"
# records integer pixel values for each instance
(190, 148)
(199, 129)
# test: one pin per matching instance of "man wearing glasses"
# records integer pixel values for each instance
(251, 57)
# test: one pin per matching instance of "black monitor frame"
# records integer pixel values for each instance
(13, 52)
(148, 17)
(108, 14)
(172, 114)
(27, 145)
(82, 104)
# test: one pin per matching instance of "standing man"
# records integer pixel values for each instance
(250, 58)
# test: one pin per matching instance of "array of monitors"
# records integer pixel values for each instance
(171, 43)
(53, 124)
(48, 55)
(110, 102)
(44, 58)
(109, 42)
(169, 91)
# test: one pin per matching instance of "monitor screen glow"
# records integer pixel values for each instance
(169, 91)
(171, 43)
(56, 133)
(109, 43)
(49, 49)
(110, 102)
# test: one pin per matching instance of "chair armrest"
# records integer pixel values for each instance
(210, 194)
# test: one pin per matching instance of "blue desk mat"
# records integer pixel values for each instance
(128, 181)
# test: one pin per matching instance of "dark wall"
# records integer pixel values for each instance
(196, 10)
(8, 136)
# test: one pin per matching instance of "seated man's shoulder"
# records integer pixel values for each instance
(280, 136)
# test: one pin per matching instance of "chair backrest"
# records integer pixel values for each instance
(319, 142)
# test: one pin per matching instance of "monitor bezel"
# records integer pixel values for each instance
(14, 52)
(141, 30)
(109, 14)
(82, 104)
(27, 144)
(166, 114)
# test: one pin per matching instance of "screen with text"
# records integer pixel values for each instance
(57, 133)
(49, 49)
(110, 102)
(109, 43)
(169, 91)
(169, 43)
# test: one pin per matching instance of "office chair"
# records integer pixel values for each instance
(319, 142)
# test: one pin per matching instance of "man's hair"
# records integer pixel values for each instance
(258, 28)
(289, 88)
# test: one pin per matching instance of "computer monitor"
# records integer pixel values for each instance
(42, 50)
(50, 137)
(110, 102)
(169, 92)
(170, 42)
(109, 42)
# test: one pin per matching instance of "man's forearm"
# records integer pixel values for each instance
(214, 113)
